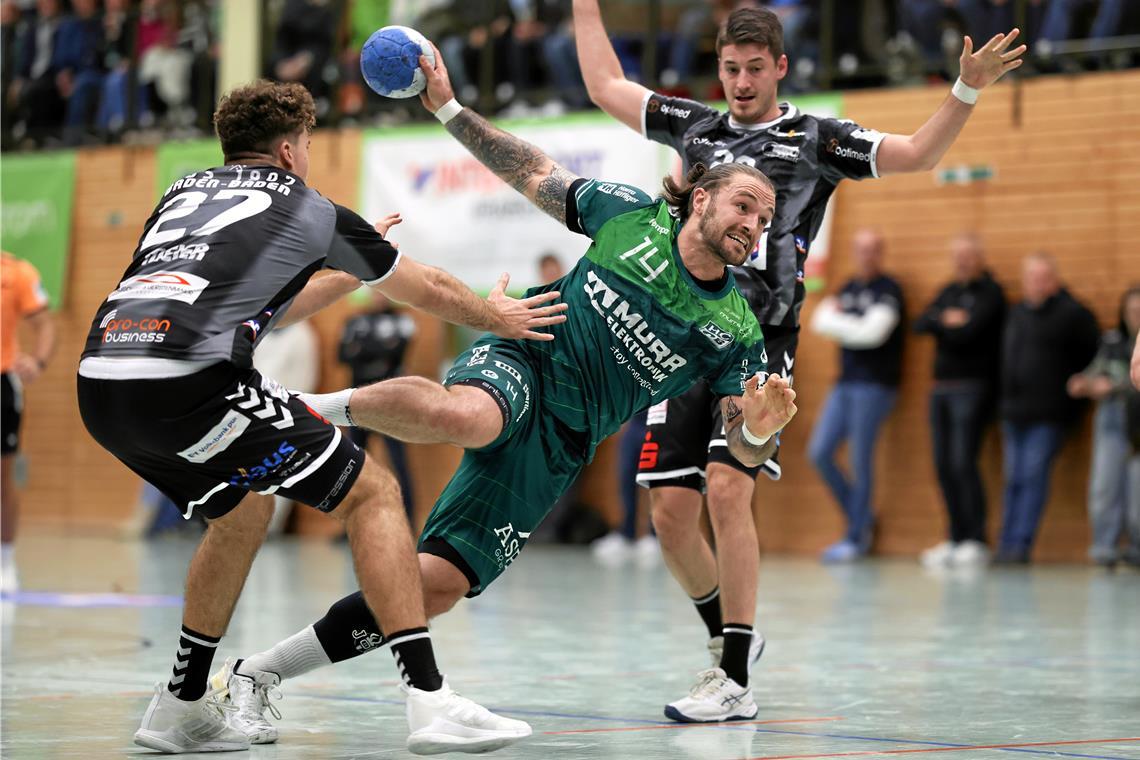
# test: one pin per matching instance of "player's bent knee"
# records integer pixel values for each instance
(376, 488)
(729, 493)
(472, 418)
(248, 520)
(675, 513)
(444, 584)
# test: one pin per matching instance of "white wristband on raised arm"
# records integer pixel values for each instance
(751, 437)
(448, 111)
(964, 92)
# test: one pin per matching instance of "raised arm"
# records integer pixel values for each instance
(923, 150)
(515, 161)
(605, 81)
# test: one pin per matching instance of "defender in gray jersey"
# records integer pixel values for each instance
(167, 386)
(805, 157)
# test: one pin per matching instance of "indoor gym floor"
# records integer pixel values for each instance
(877, 659)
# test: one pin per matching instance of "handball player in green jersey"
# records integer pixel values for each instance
(653, 308)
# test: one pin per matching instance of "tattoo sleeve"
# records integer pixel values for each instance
(515, 161)
(745, 452)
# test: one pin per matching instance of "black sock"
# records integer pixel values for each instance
(734, 661)
(416, 659)
(348, 629)
(192, 664)
(708, 607)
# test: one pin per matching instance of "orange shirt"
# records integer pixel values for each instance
(22, 296)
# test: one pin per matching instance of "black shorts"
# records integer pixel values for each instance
(685, 433)
(11, 409)
(207, 439)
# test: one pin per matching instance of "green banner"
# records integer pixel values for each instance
(36, 195)
(177, 159)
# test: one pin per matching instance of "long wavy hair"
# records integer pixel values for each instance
(679, 195)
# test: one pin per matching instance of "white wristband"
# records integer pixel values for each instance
(964, 92)
(752, 437)
(448, 111)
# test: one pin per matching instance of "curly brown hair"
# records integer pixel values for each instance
(758, 26)
(254, 117)
(679, 195)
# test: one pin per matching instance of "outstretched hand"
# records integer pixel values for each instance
(438, 90)
(991, 61)
(768, 407)
(519, 317)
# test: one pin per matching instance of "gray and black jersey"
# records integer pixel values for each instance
(219, 262)
(804, 156)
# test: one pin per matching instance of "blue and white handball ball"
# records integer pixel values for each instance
(390, 61)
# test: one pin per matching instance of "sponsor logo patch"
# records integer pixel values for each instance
(173, 286)
(228, 430)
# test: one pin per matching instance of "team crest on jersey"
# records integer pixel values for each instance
(722, 339)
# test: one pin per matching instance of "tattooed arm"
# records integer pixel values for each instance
(767, 408)
(515, 161)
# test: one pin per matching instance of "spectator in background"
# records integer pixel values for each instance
(81, 67)
(23, 301)
(466, 32)
(120, 30)
(1114, 480)
(11, 29)
(164, 68)
(1060, 17)
(866, 321)
(304, 46)
(966, 321)
(34, 93)
(372, 345)
(542, 29)
(1049, 337)
(550, 268)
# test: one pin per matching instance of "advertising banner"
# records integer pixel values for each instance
(462, 218)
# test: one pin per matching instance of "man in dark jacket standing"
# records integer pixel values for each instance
(1049, 337)
(966, 321)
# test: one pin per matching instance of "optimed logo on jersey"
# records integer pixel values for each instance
(174, 286)
(843, 151)
(722, 339)
(680, 113)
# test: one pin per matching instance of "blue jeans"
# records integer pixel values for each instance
(1029, 454)
(1058, 23)
(958, 416)
(853, 412)
(1114, 484)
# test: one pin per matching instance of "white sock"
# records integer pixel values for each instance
(295, 656)
(332, 406)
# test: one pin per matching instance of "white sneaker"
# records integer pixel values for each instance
(442, 721)
(171, 725)
(251, 696)
(647, 551)
(716, 650)
(938, 555)
(969, 553)
(611, 549)
(713, 699)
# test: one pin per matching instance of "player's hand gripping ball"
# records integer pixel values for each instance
(390, 61)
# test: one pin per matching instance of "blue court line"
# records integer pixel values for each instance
(730, 727)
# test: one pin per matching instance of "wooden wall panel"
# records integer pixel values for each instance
(1068, 181)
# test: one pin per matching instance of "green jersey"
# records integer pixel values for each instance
(639, 329)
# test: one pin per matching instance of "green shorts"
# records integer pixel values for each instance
(501, 493)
